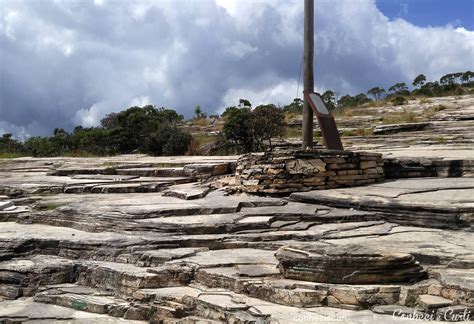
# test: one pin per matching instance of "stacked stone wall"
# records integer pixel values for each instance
(291, 171)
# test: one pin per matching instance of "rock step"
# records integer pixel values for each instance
(349, 264)
(125, 279)
(395, 168)
(396, 128)
(22, 277)
(428, 302)
(87, 300)
(187, 191)
(211, 305)
(101, 302)
(6, 205)
(198, 170)
(27, 310)
(153, 172)
(269, 286)
(135, 186)
(395, 209)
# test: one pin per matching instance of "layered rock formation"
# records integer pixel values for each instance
(190, 253)
(349, 264)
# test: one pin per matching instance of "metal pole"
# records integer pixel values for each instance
(308, 72)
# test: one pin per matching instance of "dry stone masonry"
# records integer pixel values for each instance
(290, 171)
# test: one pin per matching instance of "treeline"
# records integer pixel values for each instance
(147, 130)
(156, 132)
(448, 85)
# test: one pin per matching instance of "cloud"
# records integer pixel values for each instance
(69, 62)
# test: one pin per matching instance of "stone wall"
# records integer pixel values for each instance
(299, 170)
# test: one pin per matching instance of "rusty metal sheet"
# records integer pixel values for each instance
(326, 121)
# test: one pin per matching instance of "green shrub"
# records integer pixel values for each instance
(399, 101)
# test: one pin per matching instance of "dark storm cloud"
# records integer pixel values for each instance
(70, 62)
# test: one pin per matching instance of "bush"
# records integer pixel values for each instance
(248, 130)
(167, 140)
(399, 101)
(41, 146)
(10, 145)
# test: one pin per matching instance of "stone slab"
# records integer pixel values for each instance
(438, 202)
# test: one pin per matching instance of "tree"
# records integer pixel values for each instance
(197, 111)
(109, 121)
(267, 121)
(244, 103)
(466, 76)
(448, 79)
(296, 106)
(248, 130)
(419, 80)
(58, 131)
(456, 76)
(167, 140)
(329, 99)
(60, 140)
(41, 146)
(345, 101)
(349, 101)
(376, 92)
(238, 128)
(10, 145)
(361, 99)
(137, 129)
(399, 88)
(430, 89)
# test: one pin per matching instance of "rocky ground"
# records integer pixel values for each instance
(429, 122)
(136, 238)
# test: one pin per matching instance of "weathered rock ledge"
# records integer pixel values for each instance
(349, 264)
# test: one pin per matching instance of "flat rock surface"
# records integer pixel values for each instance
(448, 193)
(438, 202)
(151, 248)
(28, 310)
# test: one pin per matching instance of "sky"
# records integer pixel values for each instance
(70, 62)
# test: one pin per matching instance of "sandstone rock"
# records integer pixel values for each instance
(187, 191)
(427, 302)
(396, 128)
(347, 264)
(4, 205)
(427, 202)
(146, 255)
(206, 170)
(26, 310)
